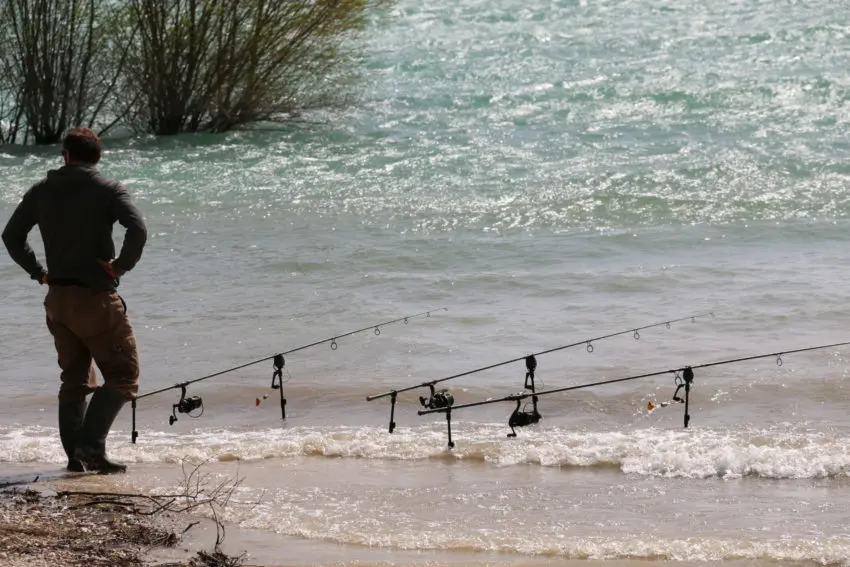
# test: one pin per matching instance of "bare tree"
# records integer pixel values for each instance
(60, 54)
(213, 65)
(171, 66)
(11, 114)
(295, 56)
(171, 54)
(11, 111)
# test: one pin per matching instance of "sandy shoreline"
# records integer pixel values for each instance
(42, 523)
(51, 523)
(40, 526)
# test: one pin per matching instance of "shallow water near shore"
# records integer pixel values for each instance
(312, 513)
(550, 172)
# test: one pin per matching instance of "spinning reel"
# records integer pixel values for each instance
(186, 405)
(438, 399)
(521, 418)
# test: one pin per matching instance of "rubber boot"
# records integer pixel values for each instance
(103, 408)
(71, 416)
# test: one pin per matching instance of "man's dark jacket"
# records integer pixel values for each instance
(75, 208)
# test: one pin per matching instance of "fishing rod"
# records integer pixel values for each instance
(683, 378)
(189, 404)
(443, 398)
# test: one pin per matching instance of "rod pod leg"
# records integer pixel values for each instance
(392, 411)
(278, 364)
(134, 434)
(688, 377)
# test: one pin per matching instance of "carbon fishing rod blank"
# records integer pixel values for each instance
(186, 405)
(587, 343)
(683, 378)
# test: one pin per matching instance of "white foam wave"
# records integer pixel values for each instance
(388, 521)
(832, 551)
(778, 453)
(329, 517)
(771, 453)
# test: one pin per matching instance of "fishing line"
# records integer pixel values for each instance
(189, 404)
(443, 398)
(683, 379)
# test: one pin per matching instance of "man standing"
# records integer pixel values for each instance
(75, 208)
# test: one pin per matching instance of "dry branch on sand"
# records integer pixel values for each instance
(42, 527)
(39, 528)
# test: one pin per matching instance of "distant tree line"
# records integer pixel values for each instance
(171, 66)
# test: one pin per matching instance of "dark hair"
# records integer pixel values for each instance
(82, 145)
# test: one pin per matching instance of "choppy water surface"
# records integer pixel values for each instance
(550, 172)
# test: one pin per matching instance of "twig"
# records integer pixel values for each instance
(197, 490)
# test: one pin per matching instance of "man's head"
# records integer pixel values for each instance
(81, 146)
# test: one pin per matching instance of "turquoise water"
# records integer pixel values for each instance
(550, 172)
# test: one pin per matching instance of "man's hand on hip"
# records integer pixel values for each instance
(107, 265)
